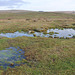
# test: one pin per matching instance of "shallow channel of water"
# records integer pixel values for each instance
(10, 56)
(62, 33)
(57, 33)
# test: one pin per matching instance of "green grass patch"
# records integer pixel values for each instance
(44, 56)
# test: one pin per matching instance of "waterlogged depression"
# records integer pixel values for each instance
(10, 56)
(61, 33)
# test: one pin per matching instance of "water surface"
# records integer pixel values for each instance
(10, 56)
(61, 33)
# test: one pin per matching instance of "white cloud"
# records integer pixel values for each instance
(45, 5)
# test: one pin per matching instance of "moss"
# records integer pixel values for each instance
(19, 51)
(61, 37)
(24, 61)
(11, 64)
(34, 35)
(69, 34)
(56, 33)
(45, 32)
(50, 37)
(73, 36)
(51, 33)
(67, 38)
(56, 37)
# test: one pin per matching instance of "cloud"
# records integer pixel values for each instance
(12, 3)
(50, 5)
(38, 5)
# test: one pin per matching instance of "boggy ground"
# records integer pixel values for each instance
(11, 22)
(45, 56)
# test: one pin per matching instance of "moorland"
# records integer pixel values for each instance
(44, 56)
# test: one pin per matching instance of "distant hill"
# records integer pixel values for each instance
(14, 11)
(68, 12)
(22, 11)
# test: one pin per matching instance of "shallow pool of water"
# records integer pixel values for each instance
(10, 56)
(61, 33)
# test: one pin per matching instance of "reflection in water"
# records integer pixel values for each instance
(61, 33)
(10, 56)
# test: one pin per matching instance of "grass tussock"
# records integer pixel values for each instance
(10, 22)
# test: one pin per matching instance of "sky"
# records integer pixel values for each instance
(38, 5)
